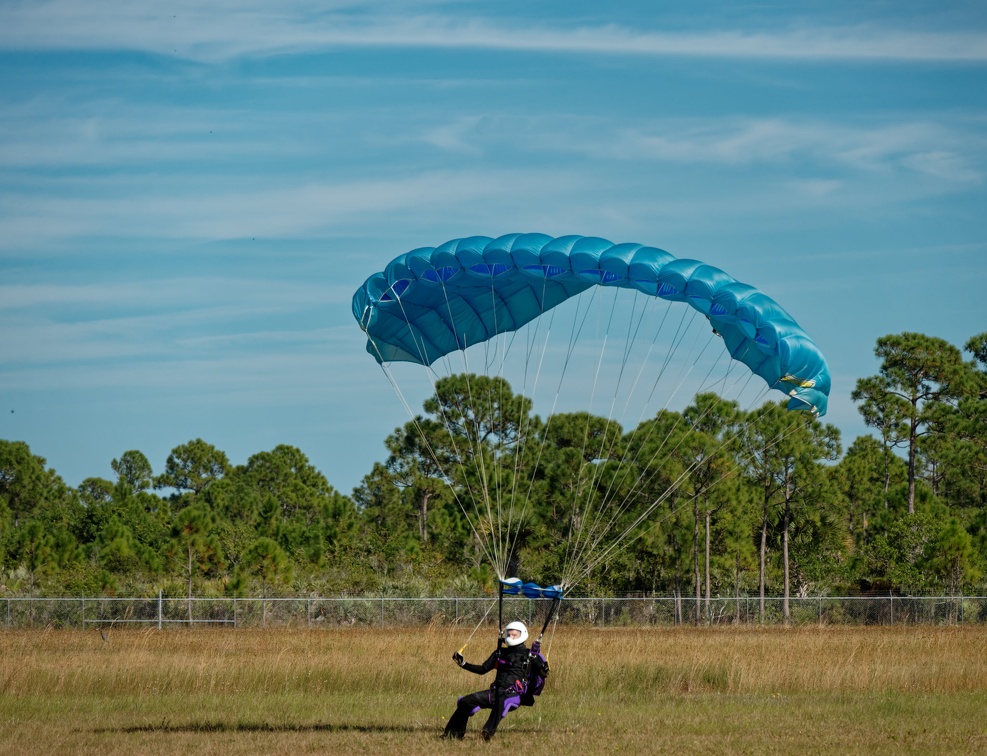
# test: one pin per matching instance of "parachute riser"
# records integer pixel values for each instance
(556, 602)
(500, 618)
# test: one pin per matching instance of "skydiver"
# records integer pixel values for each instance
(513, 663)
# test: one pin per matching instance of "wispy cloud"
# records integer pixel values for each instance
(218, 211)
(953, 153)
(225, 30)
(871, 159)
(950, 152)
(265, 294)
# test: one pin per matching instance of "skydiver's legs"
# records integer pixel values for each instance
(494, 719)
(464, 710)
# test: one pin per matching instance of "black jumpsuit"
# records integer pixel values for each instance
(511, 663)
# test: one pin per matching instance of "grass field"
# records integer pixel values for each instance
(359, 690)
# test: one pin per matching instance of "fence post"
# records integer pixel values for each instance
(381, 611)
(83, 614)
(160, 607)
(891, 602)
(603, 612)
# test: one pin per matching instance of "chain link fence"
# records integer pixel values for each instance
(162, 612)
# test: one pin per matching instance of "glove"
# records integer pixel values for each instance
(458, 658)
(536, 648)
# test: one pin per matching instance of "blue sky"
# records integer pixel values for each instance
(190, 194)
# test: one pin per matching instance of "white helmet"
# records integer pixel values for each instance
(519, 626)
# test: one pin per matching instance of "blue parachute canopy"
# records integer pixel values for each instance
(516, 587)
(433, 301)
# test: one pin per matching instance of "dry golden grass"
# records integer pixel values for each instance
(359, 690)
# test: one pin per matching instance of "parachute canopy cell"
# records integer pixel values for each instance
(516, 587)
(433, 301)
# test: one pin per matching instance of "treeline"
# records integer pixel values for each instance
(737, 502)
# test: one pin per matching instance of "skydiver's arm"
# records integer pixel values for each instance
(482, 669)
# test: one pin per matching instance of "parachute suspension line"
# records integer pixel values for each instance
(602, 530)
(680, 336)
(618, 512)
(490, 499)
(477, 454)
(551, 638)
(543, 436)
(577, 326)
(677, 339)
(510, 490)
(596, 380)
(597, 528)
(675, 425)
(498, 419)
(603, 453)
(460, 456)
(500, 614)
(421, 434)
(644, 364)
(478, 624)
(526, 421)
(501, 421)
(474, 455)
(605, 555)
(486, 542)
(642, 485)
(681, 331)
(589, 487)
(573, 340)
(525, 424)
(508, 533)
(630, 341)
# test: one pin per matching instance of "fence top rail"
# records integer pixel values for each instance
(426, 599)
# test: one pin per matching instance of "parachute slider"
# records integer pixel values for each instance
(516, 587)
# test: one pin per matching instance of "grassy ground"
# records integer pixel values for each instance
(358, 690)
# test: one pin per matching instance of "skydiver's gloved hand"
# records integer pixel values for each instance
(536, 648)
(458, 658)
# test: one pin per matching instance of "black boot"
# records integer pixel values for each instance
(456, 729)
